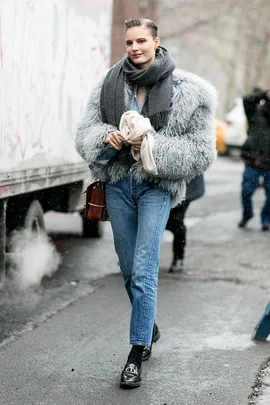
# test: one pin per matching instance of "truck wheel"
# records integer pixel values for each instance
(34, 218)
(3, 207)
(92, 229)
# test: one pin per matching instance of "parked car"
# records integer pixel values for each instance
(221, 129)
(236, 122)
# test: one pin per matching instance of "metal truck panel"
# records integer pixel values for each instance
(51, 54)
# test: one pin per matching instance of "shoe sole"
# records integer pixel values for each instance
(155, 339)
(127, 386)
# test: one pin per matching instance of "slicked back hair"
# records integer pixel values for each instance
(142, 22)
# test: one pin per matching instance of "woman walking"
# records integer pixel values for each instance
(180, 107)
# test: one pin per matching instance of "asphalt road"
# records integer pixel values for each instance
(65, 341)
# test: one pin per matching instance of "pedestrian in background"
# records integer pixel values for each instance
(176, 223)
(256, 154)
(181, 108)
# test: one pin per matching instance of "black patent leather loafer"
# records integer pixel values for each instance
(147, 351)
(131, 376)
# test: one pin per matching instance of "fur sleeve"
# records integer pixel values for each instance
(91, 131)
(186, 148)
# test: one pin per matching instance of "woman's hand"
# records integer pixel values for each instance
(136, 145)
(116, 139)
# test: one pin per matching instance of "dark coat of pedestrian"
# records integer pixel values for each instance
(256, 154)
(176, 223)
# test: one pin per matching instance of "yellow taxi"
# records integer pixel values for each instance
(221, 129)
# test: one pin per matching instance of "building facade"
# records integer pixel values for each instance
(123, 10)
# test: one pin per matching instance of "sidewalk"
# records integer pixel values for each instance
(206, 316)
(205, 355)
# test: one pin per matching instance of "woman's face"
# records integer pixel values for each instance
(141, 46)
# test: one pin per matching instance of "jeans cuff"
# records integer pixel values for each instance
(140, 343)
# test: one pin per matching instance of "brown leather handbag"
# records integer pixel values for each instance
(95, 204)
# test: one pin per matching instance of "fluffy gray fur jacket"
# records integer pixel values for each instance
(184, 148)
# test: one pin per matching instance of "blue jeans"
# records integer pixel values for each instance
(139, 214)
(251, 181)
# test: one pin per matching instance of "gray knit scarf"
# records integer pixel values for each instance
(157, 77)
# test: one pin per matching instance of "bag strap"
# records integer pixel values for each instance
(97, 184)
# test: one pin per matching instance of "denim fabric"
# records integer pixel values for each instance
(138, 214)
(251, 180)
(134, 102)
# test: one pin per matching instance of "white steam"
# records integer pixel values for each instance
(32, 257)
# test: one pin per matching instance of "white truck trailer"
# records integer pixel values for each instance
(52, 53)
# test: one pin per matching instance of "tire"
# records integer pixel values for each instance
(34, 218)
(3, 205)
(92, 229)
